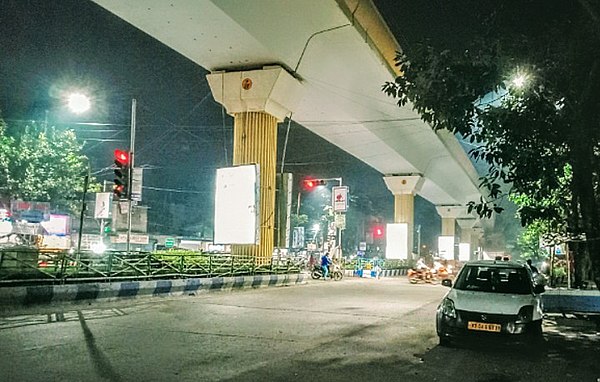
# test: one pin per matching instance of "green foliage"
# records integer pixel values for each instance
(44, 164)
(528, 242)
(539, 139)
(524, 135)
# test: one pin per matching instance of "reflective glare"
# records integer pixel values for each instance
(79, 103)
(98, 248)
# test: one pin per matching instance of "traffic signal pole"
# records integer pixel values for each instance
(131, 164)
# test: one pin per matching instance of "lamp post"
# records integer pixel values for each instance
(79, 103)
(131, 164)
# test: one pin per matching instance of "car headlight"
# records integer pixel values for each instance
(448, 308)
(525, 314)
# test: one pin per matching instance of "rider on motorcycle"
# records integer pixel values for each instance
(325, 261)
(423, 269)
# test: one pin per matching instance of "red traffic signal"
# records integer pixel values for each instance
(122, 170)
(378, 232)
(121, 157)
(309, 184)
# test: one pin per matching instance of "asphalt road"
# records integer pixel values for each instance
(354, 330)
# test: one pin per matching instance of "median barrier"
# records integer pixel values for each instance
(110, 291)
(571, 301)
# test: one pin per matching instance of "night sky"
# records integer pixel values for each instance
(52, 46)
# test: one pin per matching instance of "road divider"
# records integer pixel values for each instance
(86, 292)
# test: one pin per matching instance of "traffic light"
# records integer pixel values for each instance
(310, 184)
(122, 170)
(378, 232)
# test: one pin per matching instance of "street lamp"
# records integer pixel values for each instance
(78, 103)
(519, 81)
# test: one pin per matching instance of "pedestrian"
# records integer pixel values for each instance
(377, 271)
(325, 261)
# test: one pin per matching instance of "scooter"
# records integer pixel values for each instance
(334, 272)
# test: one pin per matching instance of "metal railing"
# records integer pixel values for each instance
(30, 266)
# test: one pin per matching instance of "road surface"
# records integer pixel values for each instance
(353, 330)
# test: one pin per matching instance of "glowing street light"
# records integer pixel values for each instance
(519, 81)
(78, 103)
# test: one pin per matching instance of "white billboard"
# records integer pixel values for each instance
(446, 247)
(103, 205)
(464, 251)
(396, 241)
(237, 205)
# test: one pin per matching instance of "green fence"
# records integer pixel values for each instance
(18, 266)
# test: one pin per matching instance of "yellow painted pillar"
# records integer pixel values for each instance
(258, 100)
(448, 226)
(255, 141)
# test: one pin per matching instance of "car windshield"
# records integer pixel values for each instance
(494, 280)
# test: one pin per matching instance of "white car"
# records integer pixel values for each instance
(494, 299)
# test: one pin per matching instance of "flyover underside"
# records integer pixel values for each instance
(341, 69)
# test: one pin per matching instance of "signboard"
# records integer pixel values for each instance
(56, 242)
(133, 239)
(396, 241)
(340, 221)
(446, 247)
(139, 217)
(57, 225)
(362, 246)
(6, 227)
(32, 216)
(137, 176)
(464, 251)
(237, 205)
(169, 242)
(298, 237)
(339, 196)
(103, 205)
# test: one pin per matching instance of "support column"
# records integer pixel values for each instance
(447, 239)
(404, 188)
(258, 100)
(467, 234)
(255, 141)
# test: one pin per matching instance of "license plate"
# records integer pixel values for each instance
(482, 326)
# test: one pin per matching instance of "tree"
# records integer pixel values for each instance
(537, 135)
(42, 164)
(6, 155)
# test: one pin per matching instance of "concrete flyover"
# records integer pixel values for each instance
(335, 56)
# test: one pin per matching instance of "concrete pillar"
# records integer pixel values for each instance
(404, 188)
(467, 235)
(257, 100)
(449, 214)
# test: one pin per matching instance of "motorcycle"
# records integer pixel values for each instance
(427, 275)
(335, 272)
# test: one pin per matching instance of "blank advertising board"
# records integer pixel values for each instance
(237, 205)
